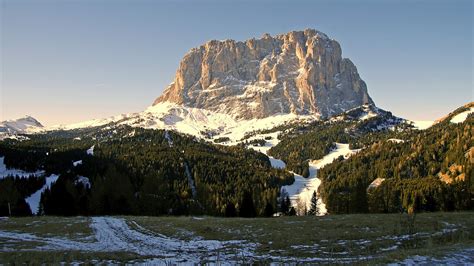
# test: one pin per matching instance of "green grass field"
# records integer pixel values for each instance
(359, 239)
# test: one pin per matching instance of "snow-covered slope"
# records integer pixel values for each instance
(26, 124)
(361, 113)
(459, 118)
(421, 125)
(302, 189)
(193, 121)
(34, 199)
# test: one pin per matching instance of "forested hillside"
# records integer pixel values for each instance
(139, 171)
(429, 170)
(311, 142)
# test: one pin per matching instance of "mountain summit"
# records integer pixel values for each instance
(25, 124)
(300, 72)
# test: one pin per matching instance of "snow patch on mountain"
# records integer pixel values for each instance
(90, 151)
(4, 172)
(34, 199)
(459, 118)
(422, 124)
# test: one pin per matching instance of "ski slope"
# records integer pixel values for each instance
(34, 200)
(302, 189)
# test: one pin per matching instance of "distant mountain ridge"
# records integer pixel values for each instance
(25, 124)
(300, 72)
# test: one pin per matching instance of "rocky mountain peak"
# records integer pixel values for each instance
(300, 72)
(21, 125)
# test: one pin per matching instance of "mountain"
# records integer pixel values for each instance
(300, 72)
(226, 89)
(26, 124)
(241, 122)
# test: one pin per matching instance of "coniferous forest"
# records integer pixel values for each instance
(139, 171)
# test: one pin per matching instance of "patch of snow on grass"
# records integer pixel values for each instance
(76, 163)
(462, 257)
(35, 198)
(115, 235)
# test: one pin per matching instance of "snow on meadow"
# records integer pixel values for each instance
(116, 235)
(463, 257)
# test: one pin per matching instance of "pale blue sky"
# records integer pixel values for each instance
(72, 60)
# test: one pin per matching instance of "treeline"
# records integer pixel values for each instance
(431, 170)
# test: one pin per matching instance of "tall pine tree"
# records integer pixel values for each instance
(314, 205)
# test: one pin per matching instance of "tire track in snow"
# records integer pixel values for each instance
(115, 235)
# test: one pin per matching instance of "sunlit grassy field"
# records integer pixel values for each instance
(360, 238)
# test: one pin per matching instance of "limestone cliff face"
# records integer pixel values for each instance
(299, 72)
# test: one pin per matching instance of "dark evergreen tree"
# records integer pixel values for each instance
(284, 202)
(230, 210)
(313, 210)
(269, 211)
(247, 207)
(292, 212)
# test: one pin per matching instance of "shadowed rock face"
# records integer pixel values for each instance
(300, 72)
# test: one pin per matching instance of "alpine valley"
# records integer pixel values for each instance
(281, 125)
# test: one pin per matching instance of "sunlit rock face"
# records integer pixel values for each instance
(300, 72)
